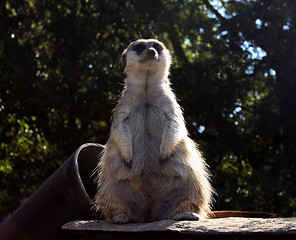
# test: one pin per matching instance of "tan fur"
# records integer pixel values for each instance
(150, 169)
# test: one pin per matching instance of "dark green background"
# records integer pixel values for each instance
(233, 73)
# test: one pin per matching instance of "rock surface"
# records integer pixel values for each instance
(285, 226)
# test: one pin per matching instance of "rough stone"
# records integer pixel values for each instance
(211, 226)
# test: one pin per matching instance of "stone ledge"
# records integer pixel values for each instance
(223, 228)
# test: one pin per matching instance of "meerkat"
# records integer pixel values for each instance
(150, 169)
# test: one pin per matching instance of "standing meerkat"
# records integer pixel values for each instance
(150, 169)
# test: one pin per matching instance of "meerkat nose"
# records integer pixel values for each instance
(151, 52)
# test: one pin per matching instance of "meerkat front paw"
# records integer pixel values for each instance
(120, 218)
(191, 216)
(164, 154)
(127, 157)
(128, 161)
(163, 158)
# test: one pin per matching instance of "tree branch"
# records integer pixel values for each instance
(173, 35)
(213, 10)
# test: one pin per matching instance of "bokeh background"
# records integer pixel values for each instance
(233, 72)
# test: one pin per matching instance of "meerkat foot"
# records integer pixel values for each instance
(120, 218)
(186, 216)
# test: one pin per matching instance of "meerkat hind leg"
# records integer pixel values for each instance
(131, 205)
(191, 216)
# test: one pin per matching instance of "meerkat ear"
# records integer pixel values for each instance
(124, 58)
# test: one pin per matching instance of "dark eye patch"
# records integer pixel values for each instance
(139, 48)
(157, 47)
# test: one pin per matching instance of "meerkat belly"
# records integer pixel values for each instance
(147, 122)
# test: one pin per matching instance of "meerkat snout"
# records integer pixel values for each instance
(151, 54)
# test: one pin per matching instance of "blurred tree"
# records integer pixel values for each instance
(269, 27)
(60, 74)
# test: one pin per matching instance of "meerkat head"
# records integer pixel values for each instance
(146, 56)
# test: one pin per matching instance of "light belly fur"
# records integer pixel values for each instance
(146, 122)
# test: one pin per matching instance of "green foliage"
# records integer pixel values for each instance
(23, 153)
(233, 72)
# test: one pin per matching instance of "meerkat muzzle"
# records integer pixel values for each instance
(152, 52)
(150, 55)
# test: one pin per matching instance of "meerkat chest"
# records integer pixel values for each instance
(147, 114)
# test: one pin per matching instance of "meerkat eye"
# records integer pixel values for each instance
(157, 47)
(139, 48)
